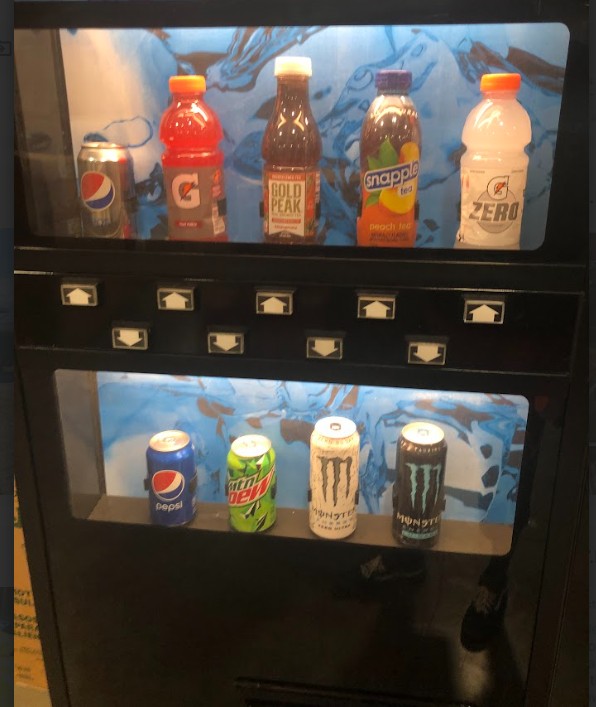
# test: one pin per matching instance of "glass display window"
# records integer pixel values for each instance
(432, 468)
(370, 180)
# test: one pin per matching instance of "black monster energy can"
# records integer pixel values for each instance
(418, 493)
(334, 466)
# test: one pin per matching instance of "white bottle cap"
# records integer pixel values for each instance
(293, 66)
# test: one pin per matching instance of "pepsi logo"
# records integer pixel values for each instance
(97, 190)
(168, 485)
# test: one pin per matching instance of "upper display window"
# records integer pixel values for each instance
(388, 136)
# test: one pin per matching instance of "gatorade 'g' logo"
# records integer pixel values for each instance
(498, 188)
(185, 190)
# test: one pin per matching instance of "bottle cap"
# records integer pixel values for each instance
(293, 66)
(187, 84)
(393, 79)
(500, 82)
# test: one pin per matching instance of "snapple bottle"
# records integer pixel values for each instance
(389, 164)
(193, 164)
(291, 150)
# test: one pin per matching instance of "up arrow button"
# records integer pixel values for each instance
(79, 294)
(484, 311)
(376, 306)
(175, 299)
(275, 302)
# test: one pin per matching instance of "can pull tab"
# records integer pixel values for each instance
(335, 426)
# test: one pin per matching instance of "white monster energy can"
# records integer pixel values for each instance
(334, 465)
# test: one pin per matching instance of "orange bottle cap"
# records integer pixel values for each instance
(187, 84)
(500, 82)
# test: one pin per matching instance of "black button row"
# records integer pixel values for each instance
(280, 302)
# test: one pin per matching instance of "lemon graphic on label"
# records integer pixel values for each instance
(402, 198)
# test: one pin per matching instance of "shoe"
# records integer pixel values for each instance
(363, 580)
(484, 617)
(400, 564)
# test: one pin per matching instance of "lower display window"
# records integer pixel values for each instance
(362, 464)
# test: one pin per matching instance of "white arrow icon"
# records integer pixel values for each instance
(483, 314)
(79, 297)
(325, 347)
(175, 301)
(129, 337)
(225, 342)
(426, 352)
(273, 305)
(376, 310)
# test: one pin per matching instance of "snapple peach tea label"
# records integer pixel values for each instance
(290, 203)
(389, 189)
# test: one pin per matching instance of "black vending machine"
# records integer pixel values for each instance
(300, 334)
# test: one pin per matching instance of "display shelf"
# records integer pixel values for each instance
(456, 536)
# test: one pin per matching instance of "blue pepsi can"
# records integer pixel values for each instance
(171, 478)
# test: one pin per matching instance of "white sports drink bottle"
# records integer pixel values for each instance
(494, 166)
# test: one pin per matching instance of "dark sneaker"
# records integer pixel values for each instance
(483, 618)
(404, 564)
(363, 580)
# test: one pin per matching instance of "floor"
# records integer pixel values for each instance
(31, 697)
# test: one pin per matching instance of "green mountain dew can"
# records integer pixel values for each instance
(251, 484)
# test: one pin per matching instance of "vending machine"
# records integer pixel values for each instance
(300, 334)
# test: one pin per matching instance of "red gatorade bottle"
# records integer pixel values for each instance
(193, 164)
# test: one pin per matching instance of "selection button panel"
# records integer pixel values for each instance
(79, 294)
(176, 299)
(130, 338)
(328, 347)
(225, 342)
(373, 306)
(484, 311)
(430, 353)
(275, 302)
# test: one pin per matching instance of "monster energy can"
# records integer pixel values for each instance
(418, 494)
(334, 464)
(251, 484)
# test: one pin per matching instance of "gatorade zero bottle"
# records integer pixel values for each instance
(389, 164)
(193, 164)
(292, 151)
(494, 166)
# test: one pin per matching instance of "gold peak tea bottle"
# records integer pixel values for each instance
(389, 164)
(292, 152)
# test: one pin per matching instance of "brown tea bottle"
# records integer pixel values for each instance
(292, 152)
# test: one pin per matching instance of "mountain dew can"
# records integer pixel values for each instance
(251, 484)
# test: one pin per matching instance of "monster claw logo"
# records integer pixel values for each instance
(335, 463)
(428, 471)
(186, 191)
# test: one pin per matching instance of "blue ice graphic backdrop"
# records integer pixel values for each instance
(484, 433)
(117, 84)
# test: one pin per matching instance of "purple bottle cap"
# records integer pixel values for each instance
(393, 80)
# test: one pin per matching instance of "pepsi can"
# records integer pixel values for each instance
(171, 478)
(418, 492)
(106, 190)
